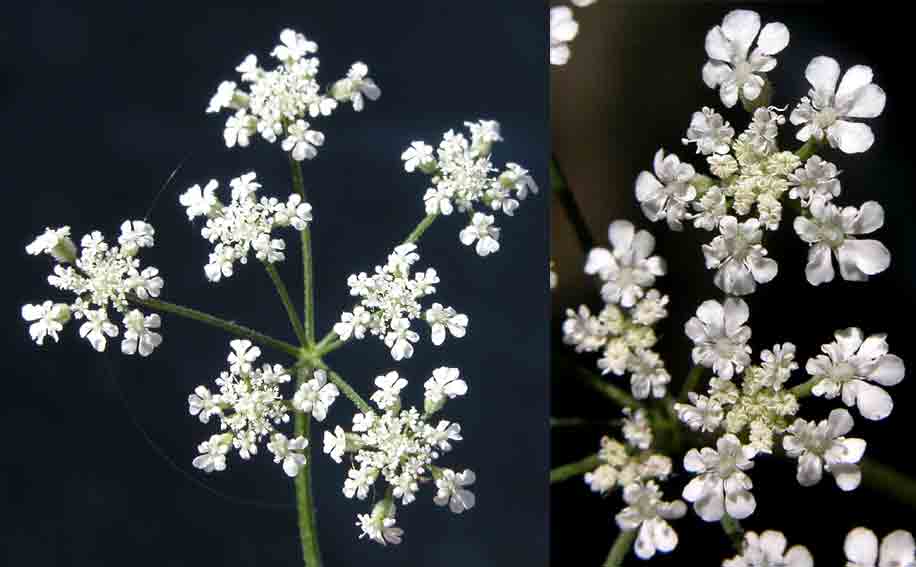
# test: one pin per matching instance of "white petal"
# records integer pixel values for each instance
(810, 470)
(854, 79)
(898, 548)
(850, 137)
(773, 542)
(620, 234)
(741, 27)
(873, 402)
(740, 505)
(820, 265)
(868, 103)
(715, 72)
(839, 423)
(647, 186)
(868, 256)
(823, 73)
(774, 37)
(861, 546)
(799, 556)
(869, 219)
(717, 47)
(889, 372)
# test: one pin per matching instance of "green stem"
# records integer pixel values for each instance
(330, 346)
(610, 391)
(561, 189)
(308, 530)
(343, 386)
(287, 302)
(808, 148)
(690, 384)
(559, 422)
(621, 547)
(895, 484)
(420, 229)
(803, 390)
(564, 472)
(734, 531)
(308, 276)
(207, 319)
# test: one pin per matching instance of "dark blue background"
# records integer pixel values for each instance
(101, 101)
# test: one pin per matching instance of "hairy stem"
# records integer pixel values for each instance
(564, 472)
(343, 386)
(561, 189)
(803, 390)
(808, 148)
(308, 276)
(207, 319)
(893, 483)
(690, 384)
(621, 547)
(308, 530)
(734, 531)
(287, 302)
(420, 228)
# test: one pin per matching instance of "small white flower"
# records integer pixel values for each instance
(739, 257)
(293, 46)
(818, 179)
(825, 110)
(55, 242)
(710, 132)
(96, 327)
(702, 414)
(733, 67)
(720, 336)
(584, 331)
(47, 319)
(602, 480)
(441, 319)
(389, 390)
(831, 229)
(203, 404)
(450, 489)
(135, 235)
(139, 335)
(850, 365)
(380, 528)
(315, 396)
(563, 28)
(898, 549)
(335, 444)
(445, 383)
(648, 374)
(242, 356)
(647, 512)
(482, 231)
(356, 87)
(353, 324)
(636, 429)
(721, 485)
(822, 446)
(665, 194)
(147, 283)
(400, 337)
(213, 453)
(359, 481)
(418, 155)
(769, 549)
(627, 268)
(301, 142)
(288, 452)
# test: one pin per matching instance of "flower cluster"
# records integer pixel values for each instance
(462, 176)
(751, 180)
(636, 470)
(101, 276)
(277, 101)
(623, 329)
(399, 447)
(245, 224)
(391, 299)
(249, 406)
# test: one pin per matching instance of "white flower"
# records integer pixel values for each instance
(777, 365)
(824, 110)
(665, 194)
(203, 404)
(648, 374)
(636, 428)
(242, 356)
(139, 335)
(733, 67)
(650, 309)
(710, 132)
(293, 46)
(356, 87)
(239, 129)
(389, 390)
(223, 97)
(380, 527)
(442, 318)
(135, 235)
(399, 339)
(288, 452)
(627, 268)
(720, 337)
(769, 549)
(583, 330)
(832, 229)
(849, 367)
(822, 446)
(49, 319)
(418, 155)
(353, 324)
(294, 213)
(897, 549)
(818, 179)
(482, 231)
(301, 142)
(563, 28)
(647, 512)
(56, 243)
(96, 327)
(359, 481)
(450, 489)
(602, 479)
(213, 453)
(147, 283)
(315, 396)
(445, 383)
(335, 444)
(710, 209)
(702, 414)
(739, 257)
(721, 485)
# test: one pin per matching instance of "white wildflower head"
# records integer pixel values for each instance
(720, 336)
(274, 103)
(769, 548)
(855, 368)
(823, 446)
(826, 112)
(733, 67)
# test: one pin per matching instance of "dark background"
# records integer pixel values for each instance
(630, 88)
(101, 101)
